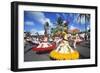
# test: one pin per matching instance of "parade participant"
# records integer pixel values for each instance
(76, 40)
(64, 51)
(44, 46)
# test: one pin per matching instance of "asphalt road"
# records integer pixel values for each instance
(29, 55)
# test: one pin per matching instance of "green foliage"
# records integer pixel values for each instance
(59, 21)
(60, 26)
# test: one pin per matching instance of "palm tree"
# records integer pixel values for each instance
(86, 19)
(59, 21)
(28, 34)
(46, 28)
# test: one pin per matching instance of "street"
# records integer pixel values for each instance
(29, 55)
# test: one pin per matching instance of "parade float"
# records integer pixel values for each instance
(44, 46)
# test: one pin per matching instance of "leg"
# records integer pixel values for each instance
(74, 44)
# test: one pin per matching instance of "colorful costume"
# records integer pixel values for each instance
(64, 51)
(44, 46)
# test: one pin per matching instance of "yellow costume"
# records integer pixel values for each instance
(64, 51)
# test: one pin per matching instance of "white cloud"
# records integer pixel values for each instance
(29, 23)
(50, 23)
(41, 32)
(34, 31)
(40, 17)
(72, 27)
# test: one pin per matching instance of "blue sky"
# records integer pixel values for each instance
(34, 21)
